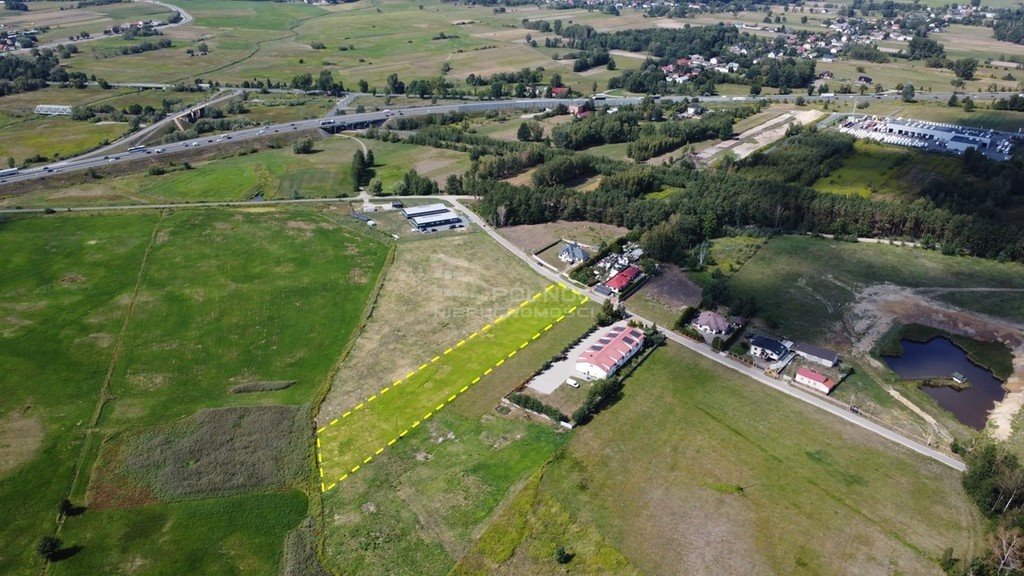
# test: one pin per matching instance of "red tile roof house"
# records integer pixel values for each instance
(559, 91)
(810, 378)
(611, 351)
(621, 280)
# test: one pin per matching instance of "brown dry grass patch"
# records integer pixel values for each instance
(21, 435)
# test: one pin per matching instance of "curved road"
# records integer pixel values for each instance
(186, 18)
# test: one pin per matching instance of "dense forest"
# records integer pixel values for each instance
(767, 191)
(1009, 26)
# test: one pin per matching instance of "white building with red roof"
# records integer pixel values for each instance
(819, 382)
(610, 352)
(620, 281)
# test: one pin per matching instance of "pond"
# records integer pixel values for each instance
(940, 358)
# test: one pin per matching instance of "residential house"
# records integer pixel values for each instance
(767, 348)
(712, 323)
(572, 253)
(623, 279)
(818, 382)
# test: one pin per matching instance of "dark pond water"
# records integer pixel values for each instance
(939, 358)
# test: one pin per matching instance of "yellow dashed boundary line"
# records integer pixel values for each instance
(326, 487)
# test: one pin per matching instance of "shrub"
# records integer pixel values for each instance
(304, 146)
(535, 405)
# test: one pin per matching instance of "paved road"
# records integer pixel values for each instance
(710, 354)
(141, 135)
(186, 18)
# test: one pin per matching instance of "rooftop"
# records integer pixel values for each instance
(623, 278)
(616, 344)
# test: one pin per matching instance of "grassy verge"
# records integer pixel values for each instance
(363, 431)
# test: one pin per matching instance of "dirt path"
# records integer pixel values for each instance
(878, 306)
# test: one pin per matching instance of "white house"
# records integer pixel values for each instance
(572, 253)
(610, 352)
(810, 378)
(768, 349)
(712, 323)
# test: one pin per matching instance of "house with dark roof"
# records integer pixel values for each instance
(767, 348)
(572, 253)
(816, 354)
(712, 323)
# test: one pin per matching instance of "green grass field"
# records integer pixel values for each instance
(250, 41)
(234, 535)
(807, 283)
(354, 437)
(174, 309)
(696, 466)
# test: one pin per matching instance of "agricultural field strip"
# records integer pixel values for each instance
(327, 484)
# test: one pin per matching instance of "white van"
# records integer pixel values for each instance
(572, 382)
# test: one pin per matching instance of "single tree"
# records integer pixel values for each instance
(524, 133)
(358, 169)
(48, 547)
(907, 92)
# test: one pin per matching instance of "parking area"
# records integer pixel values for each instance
(931, 136)
(548, 381)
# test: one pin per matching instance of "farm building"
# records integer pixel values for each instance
(816, 354)
(446, 218)
(611, 351)
(810, 378)
(425, 210)
(572, 253)
(767, 348)
(623, 279)
(712, 323)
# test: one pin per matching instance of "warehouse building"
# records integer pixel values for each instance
(425, 210)
(610, 352)
(433, 222)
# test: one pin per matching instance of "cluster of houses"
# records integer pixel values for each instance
(619, 270)
(690, 67)
(776, 353)
(19, 39)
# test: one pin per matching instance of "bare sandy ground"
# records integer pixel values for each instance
(878, 306)
(759, 136)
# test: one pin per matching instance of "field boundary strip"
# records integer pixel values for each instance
(326, 484)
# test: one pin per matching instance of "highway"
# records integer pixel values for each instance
(94, 160)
